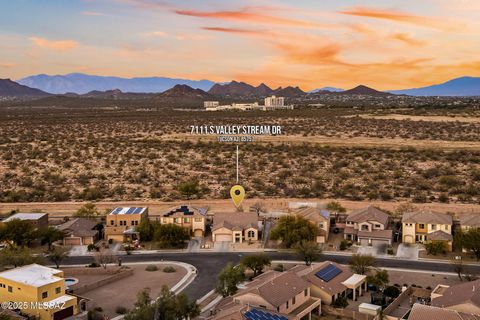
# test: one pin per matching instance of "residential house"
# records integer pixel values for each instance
(463, 297)
(79, 232)
(283, 294)
(424, 312)
(426, 226)
(187, 218)
(319, 217)
(369, 227)
(330, 280)
(39, 220)
(469, 221)
(38, 284)
(121, 223)
(235, 227)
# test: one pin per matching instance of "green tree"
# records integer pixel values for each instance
(88, 210)
(340, 302)
(20, 232)
(146, 229)
(57, 255)
(143, 308)
(361, 264)
(309, 251)
(170, 235)
(335, 206)
(436, 247)
(228, 279)
(256, 262)
(18, 256)
(471, 241)
(380, 279)
(189, 188)
(292, 229)
(49, 235)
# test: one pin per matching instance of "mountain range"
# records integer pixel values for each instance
(80, 83)
(464, 86)
(76, 84)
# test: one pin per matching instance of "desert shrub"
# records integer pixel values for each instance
(151, 267)
(169, 269)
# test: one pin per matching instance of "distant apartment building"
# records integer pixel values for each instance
(187, 218)
(38, 220)
(271, 103)
(121, 223)
(427, 226)
(369, 227)
(38, 284)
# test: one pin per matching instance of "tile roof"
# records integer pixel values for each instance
(381, 234)
(369, 213)
(427, 216)
(471, 220)
(235, 220)
(439, 235)
(277, 287)
(333, 286)
(423, 312)
(79, 227)
(468, 292)
(312, 214)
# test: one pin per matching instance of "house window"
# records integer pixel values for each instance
(176, 220)
(286, 305)
(377, 226)
(164, 220)
(251, 234)
(44, 294)
(320, 225)
(293, 301)
(186, 220)
(421, 226)
(198, 219)
(132, 222)
(434, 227)
(446, 227)
(10, 289)
(136, 222)
(112, 222)
(58, 290)
(305, 292)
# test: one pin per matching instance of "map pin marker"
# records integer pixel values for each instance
(237, 193)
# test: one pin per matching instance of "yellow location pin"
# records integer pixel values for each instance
(237, 193)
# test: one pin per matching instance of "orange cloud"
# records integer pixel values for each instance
(7, 65)
(236, 30)
(394, 15)
(404, 37)
(54, 44)
(245, 16)
(316, 54)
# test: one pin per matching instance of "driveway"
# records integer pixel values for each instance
(78, 251)
(221, 246)
(194, 244)
(408, 251)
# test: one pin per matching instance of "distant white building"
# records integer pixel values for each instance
(271, 103)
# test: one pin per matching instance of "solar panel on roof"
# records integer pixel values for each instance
(138, 210)
(255, 314)
(328, 273)
(117, 210)
(130, 210)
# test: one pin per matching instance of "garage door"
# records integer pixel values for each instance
(198, 233)
(223, 237)
(364, 242)
(72, 241)
(62, 314)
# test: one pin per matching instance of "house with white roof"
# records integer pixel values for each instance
(39, 220)
(121, 223)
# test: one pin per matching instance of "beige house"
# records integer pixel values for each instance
(121, 223)
(424, 312)
(369, 227)
(281, 294)
(235, 227)
(320, 218)
(330, 280)
(79, 231)
(38, 220)
(187, 218)
(470, 221)
(463, 297)
(425, 226)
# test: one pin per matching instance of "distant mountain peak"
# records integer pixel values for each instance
(12, 89)
(363, 90)
(462, 86)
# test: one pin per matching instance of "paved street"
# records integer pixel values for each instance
(210, 263)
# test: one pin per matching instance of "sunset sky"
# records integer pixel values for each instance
(311, 43)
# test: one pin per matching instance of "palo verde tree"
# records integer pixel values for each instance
(256, 263)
